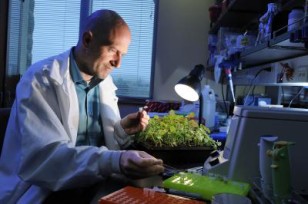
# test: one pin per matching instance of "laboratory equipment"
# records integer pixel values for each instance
(239, 160)
(282, 189)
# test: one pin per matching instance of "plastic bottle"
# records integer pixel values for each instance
(209, 106)
(295, 19)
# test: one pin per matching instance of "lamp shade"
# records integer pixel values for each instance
(189, 87)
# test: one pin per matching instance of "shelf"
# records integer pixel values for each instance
(241, 13)
(244, 15)
(279, 48)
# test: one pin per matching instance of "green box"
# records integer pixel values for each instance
(205, 186)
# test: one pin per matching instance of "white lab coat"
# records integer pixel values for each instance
(39, 153)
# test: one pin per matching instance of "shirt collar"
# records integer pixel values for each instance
(75, 73)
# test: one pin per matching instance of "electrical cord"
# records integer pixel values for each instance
(224, 100)
(298, 93)
(282, 93)
(252, 87)
(250, 90)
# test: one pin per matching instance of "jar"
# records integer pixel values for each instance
(295, 19)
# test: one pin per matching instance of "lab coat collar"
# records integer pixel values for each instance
(59, 70)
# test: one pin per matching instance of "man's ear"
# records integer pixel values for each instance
(87, 38)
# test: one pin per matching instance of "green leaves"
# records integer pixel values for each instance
(175, 130)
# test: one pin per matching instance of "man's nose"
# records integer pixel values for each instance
(117, 61)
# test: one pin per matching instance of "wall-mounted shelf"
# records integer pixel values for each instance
(276, 49)
(260, 63)
(240, 13)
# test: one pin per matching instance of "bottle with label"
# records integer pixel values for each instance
(209, 106)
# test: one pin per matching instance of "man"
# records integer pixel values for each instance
(65, 110)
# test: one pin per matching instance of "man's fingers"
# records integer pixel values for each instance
(141, 164)
(137, 172)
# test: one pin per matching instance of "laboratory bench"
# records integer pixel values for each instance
(176, 163)
(160, 188)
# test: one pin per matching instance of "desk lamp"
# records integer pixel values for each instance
(189, 87)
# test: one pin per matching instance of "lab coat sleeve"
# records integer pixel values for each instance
(48, 157)
(122, 138)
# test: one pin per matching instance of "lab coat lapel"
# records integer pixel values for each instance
(67, 96)
(109, 111)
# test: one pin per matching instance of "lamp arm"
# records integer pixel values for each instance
(200, 108)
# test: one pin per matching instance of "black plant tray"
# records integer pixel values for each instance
(178, 156)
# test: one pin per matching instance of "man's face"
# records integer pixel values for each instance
(103, 59)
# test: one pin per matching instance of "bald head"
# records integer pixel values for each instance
(104, 40)
(101, 23)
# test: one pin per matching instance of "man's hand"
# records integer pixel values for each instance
(139, 164)
(135, 122)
